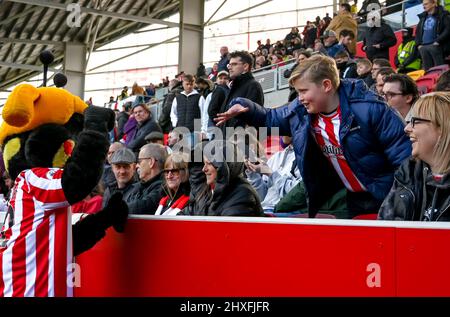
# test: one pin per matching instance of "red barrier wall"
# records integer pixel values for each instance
(267, 257)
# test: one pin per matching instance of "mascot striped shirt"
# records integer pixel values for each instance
(38, 256)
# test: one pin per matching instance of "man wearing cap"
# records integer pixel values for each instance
(157, 138)
(331, 43)
(146, 194)
(108, 177)
(145, 125)
(407, 58)
(123, 163)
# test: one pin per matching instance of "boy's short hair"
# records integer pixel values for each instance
(189, 78)
(316, 69)
(382, 62)
(364, 61)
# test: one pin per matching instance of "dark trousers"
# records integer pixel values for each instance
(432, 55)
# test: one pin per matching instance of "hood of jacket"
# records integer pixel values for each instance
(227, 159)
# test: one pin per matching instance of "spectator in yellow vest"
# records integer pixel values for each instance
(407, 58)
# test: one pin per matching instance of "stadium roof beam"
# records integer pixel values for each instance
(25, 66)
(239, 12)
(212, 15)
(17, 16)
(25, 41)
(134, 53)
(129, 46)
(122, 16)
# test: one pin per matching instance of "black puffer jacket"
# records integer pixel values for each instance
(417, 195)
(232, 195)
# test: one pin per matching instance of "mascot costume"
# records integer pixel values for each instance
(54, 146)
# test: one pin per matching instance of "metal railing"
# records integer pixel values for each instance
(271, 77)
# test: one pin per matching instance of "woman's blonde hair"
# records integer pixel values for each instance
(178, 161)
(436, 107)
(316, 69)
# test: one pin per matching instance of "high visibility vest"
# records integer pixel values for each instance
(404, 52)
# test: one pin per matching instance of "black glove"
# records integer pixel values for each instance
(99, 119)
(114, 214)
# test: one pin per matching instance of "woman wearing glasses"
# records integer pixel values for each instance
(421, 189)
(176, 185)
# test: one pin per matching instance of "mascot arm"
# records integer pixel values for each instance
(82, 173)
(83, 170)
(87, 232)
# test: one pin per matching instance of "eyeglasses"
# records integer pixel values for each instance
(174, 171)
(140, 159)
(415, 120)
(390, 95)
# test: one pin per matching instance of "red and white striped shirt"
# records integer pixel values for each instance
(326, 130)
(38, 255)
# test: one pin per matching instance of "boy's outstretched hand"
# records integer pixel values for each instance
(234, 111)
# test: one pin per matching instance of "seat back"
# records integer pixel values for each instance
(366, 217)
(426, 83)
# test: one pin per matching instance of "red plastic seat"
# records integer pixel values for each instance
(426, 83)
(366, 217)
(272, 146)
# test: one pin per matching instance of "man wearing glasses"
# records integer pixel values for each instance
(400, 92)
(146, 194)
(243, 84)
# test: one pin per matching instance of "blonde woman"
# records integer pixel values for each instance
(176, 185)
(421, 189)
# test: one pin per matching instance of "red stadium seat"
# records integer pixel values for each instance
(366, 217)
(272, 145)
(426, 83)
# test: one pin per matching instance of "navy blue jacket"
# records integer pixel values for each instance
(371, 135)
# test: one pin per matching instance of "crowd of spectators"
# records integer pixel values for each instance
(354, 133)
